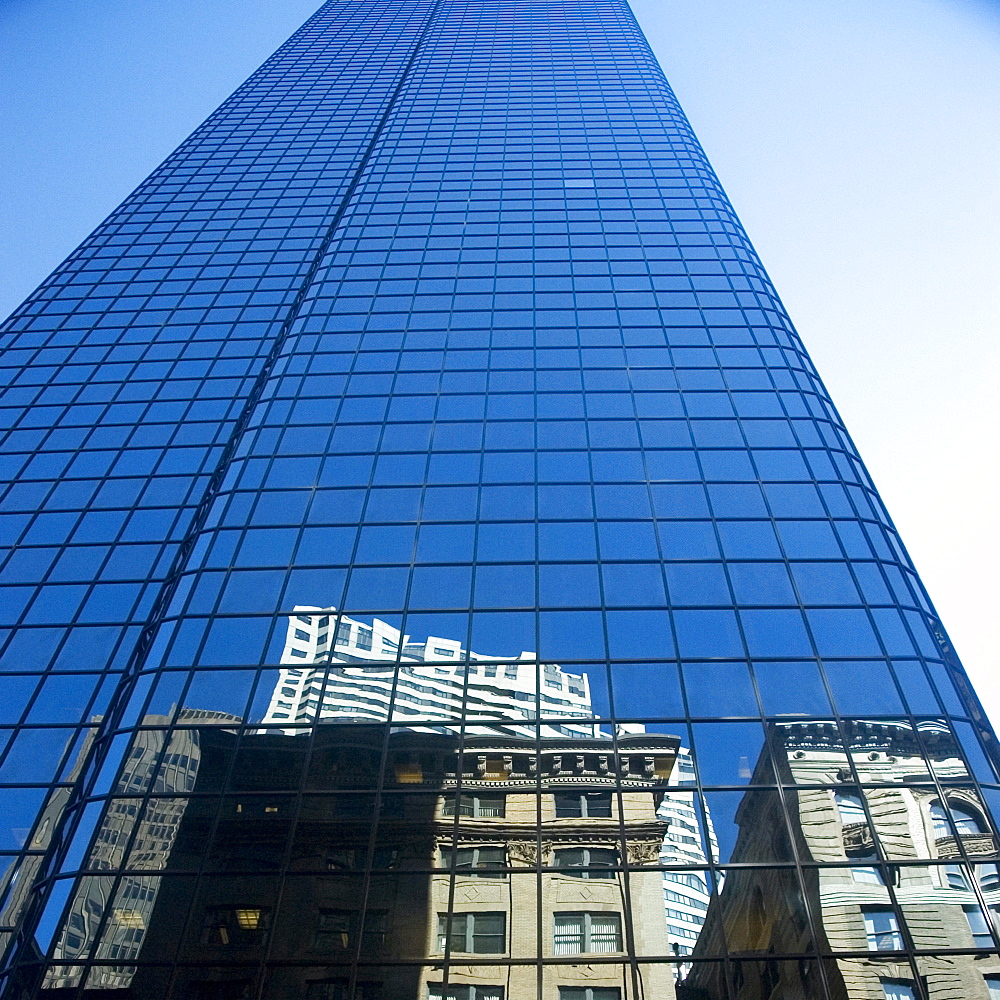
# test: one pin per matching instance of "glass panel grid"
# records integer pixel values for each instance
(435, 568)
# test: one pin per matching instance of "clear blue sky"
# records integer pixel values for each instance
(859, 141)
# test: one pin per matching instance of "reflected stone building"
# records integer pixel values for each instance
(898, 854)
(458, 870)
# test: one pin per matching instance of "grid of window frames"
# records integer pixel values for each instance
(436, 570)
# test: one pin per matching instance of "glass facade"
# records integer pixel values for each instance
(436, 570)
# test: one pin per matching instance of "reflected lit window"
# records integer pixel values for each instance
(234, 925)
(436, 991)
(589, 993)
(587, 805)
(484, 806)
(130, 919)
(495, 769)
(477, 862)
(475, 933)
(898, 989)
(982, 936)
(850, 807)
(882, 929)
(337, 930)
(579, 933)
(586, 862)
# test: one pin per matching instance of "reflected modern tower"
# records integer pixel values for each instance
(435, 570)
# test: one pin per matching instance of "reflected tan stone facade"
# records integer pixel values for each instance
(321, 809)
(862, 907)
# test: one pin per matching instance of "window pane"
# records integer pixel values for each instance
(896, 989)
(605, 932)
(882, 929)
(568, 939)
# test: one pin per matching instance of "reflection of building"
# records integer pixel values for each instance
(596, 813)
(503, 842)
(116, 912)
(445, 312)
(911, 862)
(686, 894)
(18, 881)
(344, 668)
(459, 870)
(433, 679)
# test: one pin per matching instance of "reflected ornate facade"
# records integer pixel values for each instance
(436, 571)
(898, 855)
(455, 830)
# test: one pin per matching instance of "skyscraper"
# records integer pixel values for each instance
(438, 572)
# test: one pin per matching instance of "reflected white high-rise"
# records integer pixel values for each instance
(342, 668)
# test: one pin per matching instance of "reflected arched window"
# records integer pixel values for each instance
(966, 821)
(869, 874)
(956, 877)
(989, 877)
(850, 807)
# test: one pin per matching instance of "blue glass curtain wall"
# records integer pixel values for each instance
(436, 569)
